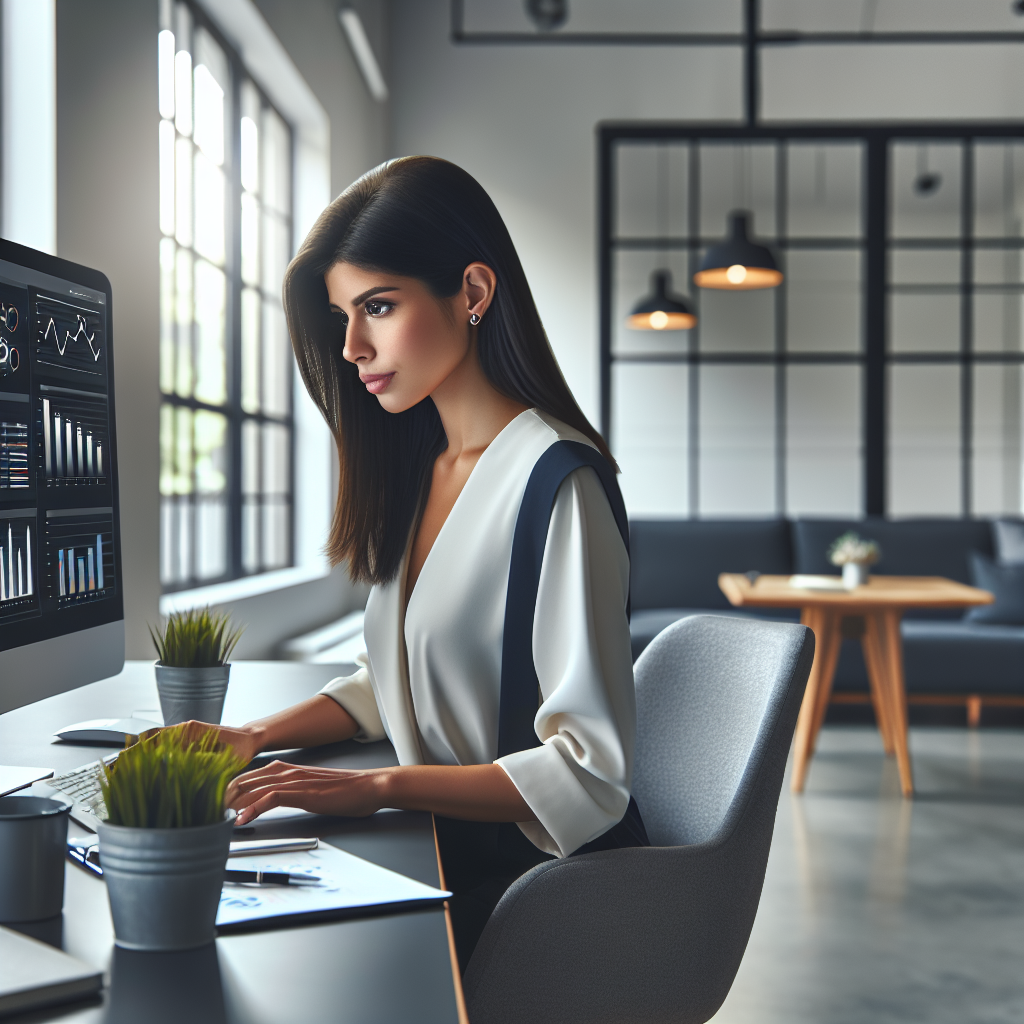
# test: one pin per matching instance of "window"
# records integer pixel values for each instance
(226, 432)
(882, 377)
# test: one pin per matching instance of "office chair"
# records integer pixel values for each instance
(657, 933)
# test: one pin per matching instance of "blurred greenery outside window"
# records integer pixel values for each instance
(226, 479)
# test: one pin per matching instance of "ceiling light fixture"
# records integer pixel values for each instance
(738, 264)
(662, 310)
(363, 53)
(548, 14)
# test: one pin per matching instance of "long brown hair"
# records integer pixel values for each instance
(425, 218)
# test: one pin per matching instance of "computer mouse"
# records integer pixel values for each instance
(108, 732)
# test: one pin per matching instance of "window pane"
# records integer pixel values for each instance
(276, 531)
(925, 189)
(250, 350)
(250, 231)
(209, 198)
(168, 343)
(824, 461)
(737, 440)
(167, 177)
(277, 160)
(737, 177)
(211, 361)
(277, 355)
(650, 441)
(924, 323)
(183, 90)
(998, 189)
(998, 441)
(211, 474)
(737, 321)
(250, 150)
(997, 322)
(250, 496)
(183, 326)
(924, 440)
(925, 266)
(652, 190)
(183, 191)
(824, 196)
(1002, 267)
(211, 83)
(276, 486)
(824, 301)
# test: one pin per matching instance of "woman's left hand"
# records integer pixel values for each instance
(320, 790)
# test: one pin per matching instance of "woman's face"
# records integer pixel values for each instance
(405, 341)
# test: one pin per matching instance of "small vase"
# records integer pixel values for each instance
(192, 693)
(164, 884)
(855, 574)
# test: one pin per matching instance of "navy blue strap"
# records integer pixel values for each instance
(519, 683)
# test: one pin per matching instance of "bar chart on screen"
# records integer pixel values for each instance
(73, 432)
(18, 576)
(13, 455)
(79, 555)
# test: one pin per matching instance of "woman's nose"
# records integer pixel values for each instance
(357, 349)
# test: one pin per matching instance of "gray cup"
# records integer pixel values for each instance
(164, 883)
(192, 693)
(33, 845)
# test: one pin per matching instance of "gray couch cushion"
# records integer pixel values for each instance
(963, 657)
(1009, 539)
(1006, 584)
(676, 562)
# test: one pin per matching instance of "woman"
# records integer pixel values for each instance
(417, 336)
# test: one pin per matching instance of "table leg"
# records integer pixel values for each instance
(827, 641)
(888, 630)
(871, 644)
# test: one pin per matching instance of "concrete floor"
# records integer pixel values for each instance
(883, 910)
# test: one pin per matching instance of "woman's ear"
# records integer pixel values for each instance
(478, 285)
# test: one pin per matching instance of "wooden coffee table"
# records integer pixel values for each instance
(881, 603)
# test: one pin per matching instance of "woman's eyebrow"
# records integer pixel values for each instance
(360, 299)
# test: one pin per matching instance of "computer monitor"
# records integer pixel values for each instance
(61, 608)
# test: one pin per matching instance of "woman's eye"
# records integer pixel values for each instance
(375, 308)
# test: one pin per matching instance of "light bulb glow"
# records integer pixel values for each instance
(736, 274)
(659, 320)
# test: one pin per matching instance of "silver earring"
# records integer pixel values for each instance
(474, 318)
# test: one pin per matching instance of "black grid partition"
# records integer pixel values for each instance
(883, 377)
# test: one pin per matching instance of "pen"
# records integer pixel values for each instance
(269, 878)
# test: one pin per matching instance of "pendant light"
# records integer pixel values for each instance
(738, 264)
(661, 310)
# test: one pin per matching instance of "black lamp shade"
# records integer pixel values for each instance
(661, 310)
(738, 264)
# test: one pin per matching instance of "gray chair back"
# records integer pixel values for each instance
(656, 934)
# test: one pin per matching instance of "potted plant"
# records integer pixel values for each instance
(192, 670)
(854, 554)
(164, 844)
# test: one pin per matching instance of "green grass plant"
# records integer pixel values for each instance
(173, 778)
(197, 638)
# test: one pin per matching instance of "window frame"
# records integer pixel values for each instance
(233, 411)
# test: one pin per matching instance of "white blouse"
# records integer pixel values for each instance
(431, 683)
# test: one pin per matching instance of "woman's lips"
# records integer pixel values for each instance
(376, 382)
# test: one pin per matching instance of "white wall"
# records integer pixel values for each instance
(522, 120)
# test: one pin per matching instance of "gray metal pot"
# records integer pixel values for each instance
(192, 693)
(164, 883)
(33, 845)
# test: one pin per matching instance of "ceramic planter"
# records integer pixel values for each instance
(855, 574)
(164, 884)
(192, 693)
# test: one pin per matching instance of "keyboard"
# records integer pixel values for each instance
(82, 787)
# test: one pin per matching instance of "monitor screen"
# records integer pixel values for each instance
(60, 559)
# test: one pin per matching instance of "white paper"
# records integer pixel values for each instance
(346, 882)
(817, 582)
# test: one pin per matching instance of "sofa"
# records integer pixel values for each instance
(948, 657)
